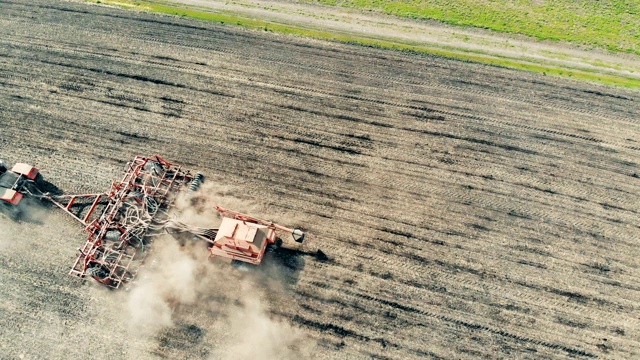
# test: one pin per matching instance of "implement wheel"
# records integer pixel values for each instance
(240, 265)
(100, 273)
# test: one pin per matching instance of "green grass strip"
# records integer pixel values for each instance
(607, 24)
(607, 79)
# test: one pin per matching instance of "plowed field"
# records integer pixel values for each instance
(467, 211)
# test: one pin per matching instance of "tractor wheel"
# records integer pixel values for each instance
(121, 275)
(240, 265)
(3, 167)
(36, 186)
(275, 246)
(278, 242)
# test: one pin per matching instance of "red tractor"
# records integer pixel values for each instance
(21, 180)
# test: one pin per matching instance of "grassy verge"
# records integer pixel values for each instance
(608, 24)
(230, 19)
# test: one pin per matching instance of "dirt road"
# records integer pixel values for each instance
(468, 211)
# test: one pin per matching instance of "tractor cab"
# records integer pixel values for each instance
(28, 171)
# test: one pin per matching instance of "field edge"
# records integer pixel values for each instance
(234, 19)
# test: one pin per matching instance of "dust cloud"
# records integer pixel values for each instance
(198, 208)
(179, 285)
(259, 336)
(171, 278)
(12, 231)
(181, 281)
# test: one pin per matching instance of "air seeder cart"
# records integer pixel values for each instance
(240, 237)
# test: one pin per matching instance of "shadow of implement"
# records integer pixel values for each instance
(287, 263)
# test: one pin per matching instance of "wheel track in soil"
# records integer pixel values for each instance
(396, 104)
(406, 317)
(453, 114)
(287, 61)
(457, 324)
(385, 78)
(418, 238)
(393, 260)
(413, 225)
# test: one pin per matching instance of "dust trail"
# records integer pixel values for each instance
(6, 233)
(198, 209)
(253, 334)
(183, 287)
(172, 277)
(176, 275)
(179, 285)
(12, 232)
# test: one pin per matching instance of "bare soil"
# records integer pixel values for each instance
(431, 34)
(467, 211)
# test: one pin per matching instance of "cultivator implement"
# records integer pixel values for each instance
(117, 241)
